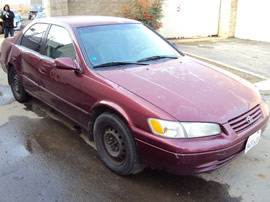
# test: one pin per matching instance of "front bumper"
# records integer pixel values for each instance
(193, 155)
(187, 164)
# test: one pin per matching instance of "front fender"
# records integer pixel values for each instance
(114, 107)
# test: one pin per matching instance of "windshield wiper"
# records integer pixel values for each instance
(108, 64)
(157, 57)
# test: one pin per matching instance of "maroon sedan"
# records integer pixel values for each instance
(141, 100)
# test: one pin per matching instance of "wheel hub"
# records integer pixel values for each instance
(16, 83)
(114, 145)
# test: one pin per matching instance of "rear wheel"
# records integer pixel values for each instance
(115, 145)
(16, 86)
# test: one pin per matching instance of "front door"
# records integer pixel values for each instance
(60, 88)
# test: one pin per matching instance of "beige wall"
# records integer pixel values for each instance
(36, 2)
(84, 7)
(95, 7)
(227, 18)
(56, 7)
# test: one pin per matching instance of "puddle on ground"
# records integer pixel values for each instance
(47, 153)
(50, 159)
(6, 96)
(185, 188)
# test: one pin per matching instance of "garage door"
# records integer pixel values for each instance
(253, 20)
(190, 18)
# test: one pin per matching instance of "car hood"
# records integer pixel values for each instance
(188, 90)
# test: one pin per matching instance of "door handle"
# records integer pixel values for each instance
(42, 70)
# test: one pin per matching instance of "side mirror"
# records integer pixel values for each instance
(67, 64)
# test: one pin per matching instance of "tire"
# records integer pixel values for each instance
(115, 145)
(16, 86)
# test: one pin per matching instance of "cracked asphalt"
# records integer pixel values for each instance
(44, 157)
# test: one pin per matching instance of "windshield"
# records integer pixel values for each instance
(123, 43)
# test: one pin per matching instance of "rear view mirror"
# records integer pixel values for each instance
(66, 63)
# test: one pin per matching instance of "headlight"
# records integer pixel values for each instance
(174, 129)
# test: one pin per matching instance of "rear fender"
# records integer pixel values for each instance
(8, 48)
(13, 60)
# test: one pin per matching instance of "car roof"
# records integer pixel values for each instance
(82, 21)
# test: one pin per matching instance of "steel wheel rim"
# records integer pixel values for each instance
(16, 84)
(114, 145)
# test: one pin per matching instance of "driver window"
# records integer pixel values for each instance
(59, 43)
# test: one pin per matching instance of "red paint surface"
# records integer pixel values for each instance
(178, 90)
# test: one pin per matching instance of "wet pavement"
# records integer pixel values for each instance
(44, 157)
(6, 96)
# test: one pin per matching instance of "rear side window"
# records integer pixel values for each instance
(33, 37)
(59, 43)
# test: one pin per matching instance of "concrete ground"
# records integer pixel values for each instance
(252, 56)
(44, 157)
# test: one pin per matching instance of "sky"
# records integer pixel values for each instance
(16, 2)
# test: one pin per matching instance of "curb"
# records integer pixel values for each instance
(263, 86)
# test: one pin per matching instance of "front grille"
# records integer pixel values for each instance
(244, 121)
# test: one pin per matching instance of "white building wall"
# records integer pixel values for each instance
(190, 18)
(253, 18)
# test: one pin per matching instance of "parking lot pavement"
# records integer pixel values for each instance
(251, 56)
(44, 157)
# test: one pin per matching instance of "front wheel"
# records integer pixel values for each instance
(115, 145)
(16, 86)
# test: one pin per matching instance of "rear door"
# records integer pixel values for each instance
(30, 46)
(60, 88)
